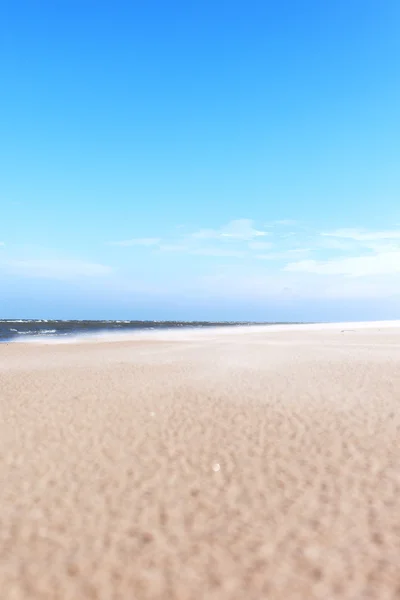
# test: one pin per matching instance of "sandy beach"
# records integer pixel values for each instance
(247, 464)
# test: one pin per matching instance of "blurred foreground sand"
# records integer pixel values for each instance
(250, 466)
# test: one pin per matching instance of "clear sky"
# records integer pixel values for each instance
(200, 160)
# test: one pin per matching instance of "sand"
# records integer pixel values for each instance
(251, 464)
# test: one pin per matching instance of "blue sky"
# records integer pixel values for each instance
(200, 160)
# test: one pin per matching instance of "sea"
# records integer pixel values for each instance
(25, 329)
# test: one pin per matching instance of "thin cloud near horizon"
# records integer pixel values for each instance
(336, 251)
(238, 257)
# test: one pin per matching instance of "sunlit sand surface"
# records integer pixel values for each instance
(256, 464)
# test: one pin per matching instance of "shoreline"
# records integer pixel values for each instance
(181, 333)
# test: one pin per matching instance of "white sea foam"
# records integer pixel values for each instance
(14, 320)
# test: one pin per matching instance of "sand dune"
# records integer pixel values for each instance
(254, 464)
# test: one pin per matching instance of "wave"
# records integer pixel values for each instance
(13, 329)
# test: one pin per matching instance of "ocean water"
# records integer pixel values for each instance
(24, 329)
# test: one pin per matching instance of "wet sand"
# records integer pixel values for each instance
(245, 465)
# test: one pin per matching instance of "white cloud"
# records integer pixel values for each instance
(244, 263)
(285, 254)
(217, 252)
(2, 244)
(240, 229)
(361, 235)
(380, 247)
(359, 287)
(260, 245)
(55, 268)
(384, 263)
(137, 242)
(200, 251)
(289, 234)
(240, 283)
(331, 243)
